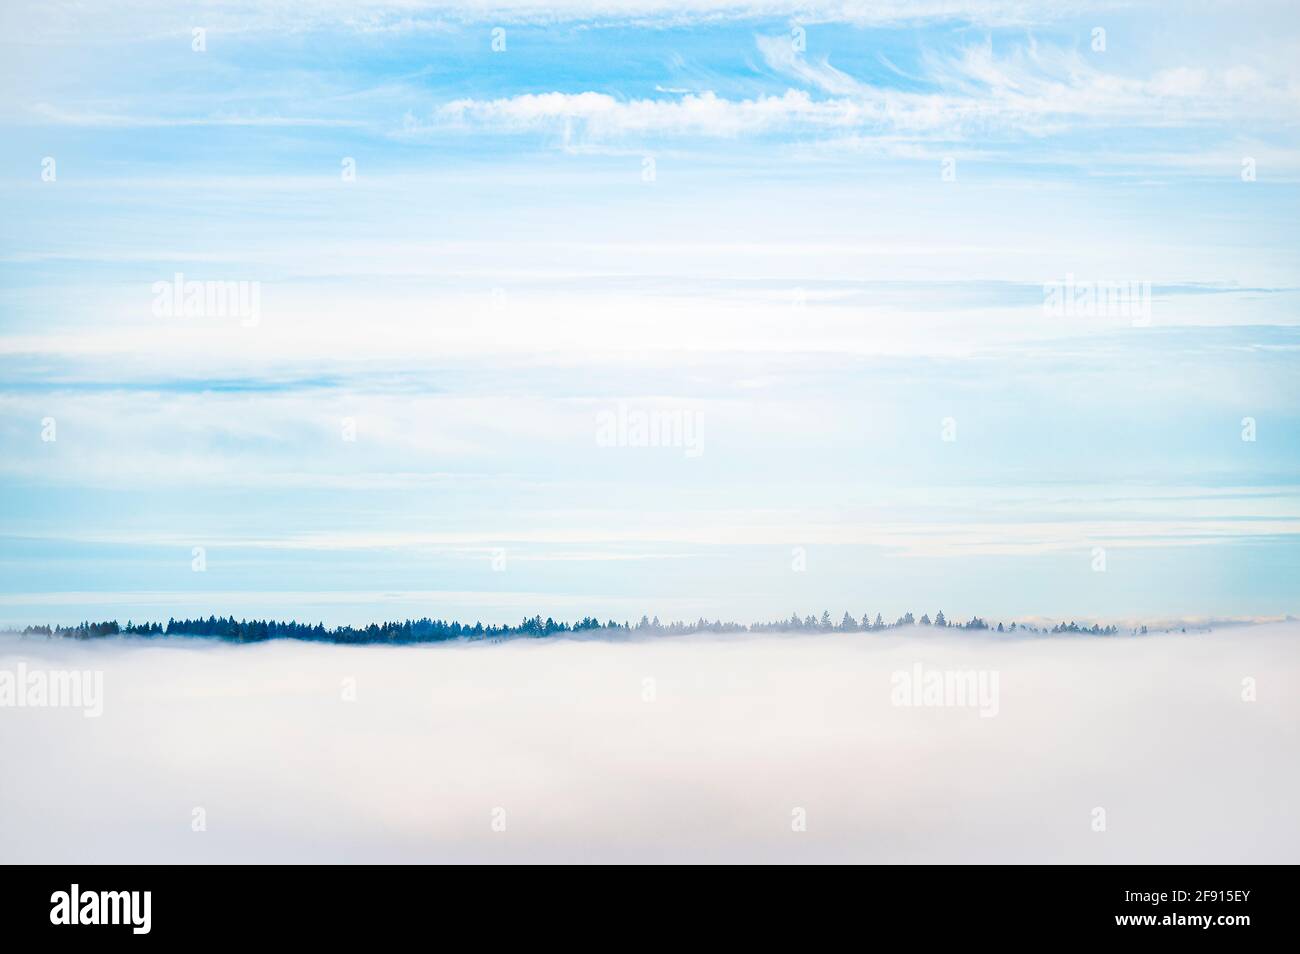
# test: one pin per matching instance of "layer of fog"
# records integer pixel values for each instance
(698, 748)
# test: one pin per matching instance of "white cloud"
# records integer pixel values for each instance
(600, 114)
(1033, 90)
(1168, 524)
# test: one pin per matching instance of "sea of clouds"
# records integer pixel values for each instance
(1177, 747)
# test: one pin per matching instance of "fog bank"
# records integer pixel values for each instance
(696, 748)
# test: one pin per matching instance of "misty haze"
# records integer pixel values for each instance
(736, 747)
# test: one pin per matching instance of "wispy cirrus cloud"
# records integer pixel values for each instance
(1033, 90)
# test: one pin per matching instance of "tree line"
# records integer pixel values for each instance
(426, 630)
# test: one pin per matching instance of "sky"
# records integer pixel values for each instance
(452, 268)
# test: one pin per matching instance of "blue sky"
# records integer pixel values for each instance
(820, 235)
